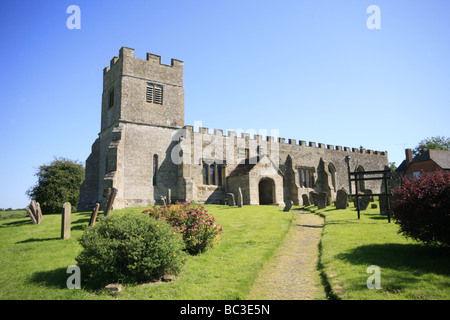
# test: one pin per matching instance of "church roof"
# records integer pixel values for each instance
(245, 168)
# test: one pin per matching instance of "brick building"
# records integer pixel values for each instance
(427, 161)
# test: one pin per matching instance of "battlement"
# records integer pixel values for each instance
(128, 53)
(291, 142)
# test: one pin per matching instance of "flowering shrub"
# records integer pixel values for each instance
(422, 208)
(192, 222)
(130, 248)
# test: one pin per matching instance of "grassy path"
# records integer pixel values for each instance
(292, 273)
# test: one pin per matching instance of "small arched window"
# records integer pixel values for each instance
(205, 173)
(332, 170)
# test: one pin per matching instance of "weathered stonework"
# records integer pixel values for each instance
(144, 149)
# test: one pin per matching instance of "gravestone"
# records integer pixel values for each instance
(341, 199)
(94, 215)
(31, 215)
(322, 200)
(110, 200)
(230, 197)
(305, 200)
(239, 198)
(313, 197)
(288, 206)
(65, 222)
(364, 202)
(369, 193)
(34, 212)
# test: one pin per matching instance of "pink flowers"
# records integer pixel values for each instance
(192, 222)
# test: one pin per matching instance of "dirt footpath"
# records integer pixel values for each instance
(292, 273)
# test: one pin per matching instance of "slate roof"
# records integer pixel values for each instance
(245, 168)
(440, 157)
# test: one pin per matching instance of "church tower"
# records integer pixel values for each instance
(142, 108)
(142, 91)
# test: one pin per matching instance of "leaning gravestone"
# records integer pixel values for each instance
(239, 198)
(364, 202)
(65, 223)
(305, 200)
(322, 200)
(313, 197)
(112, 193)
(341, 199)
(230, 197)
(288, 206)
(34, 212)
(94, 215)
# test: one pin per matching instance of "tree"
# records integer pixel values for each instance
(58, 182)
(435, 143)
(421, 208)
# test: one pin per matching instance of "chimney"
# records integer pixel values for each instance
(408, 156)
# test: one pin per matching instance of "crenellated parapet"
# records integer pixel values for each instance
(259, 139)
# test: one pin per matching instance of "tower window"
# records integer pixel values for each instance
(154, 93)
(155, 168)
(111, 98)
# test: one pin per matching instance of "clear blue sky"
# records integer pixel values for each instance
(311, 69)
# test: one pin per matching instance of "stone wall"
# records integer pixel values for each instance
(133, 131)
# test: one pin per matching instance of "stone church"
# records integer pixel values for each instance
(145, 151)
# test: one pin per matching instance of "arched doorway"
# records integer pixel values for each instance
(266, 188)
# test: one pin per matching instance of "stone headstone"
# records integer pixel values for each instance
(114, 288)
(34, 211)
(288, 206)
(65, 223)
(31, 215)
(341, 199)
(239, 198)
(369, 193)
(313, 197)
(112, 193)
(230, 198)
(322, 200)
(364, 202)
(94, 214)
(305, 200)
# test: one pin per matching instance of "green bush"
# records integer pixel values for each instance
(197, 228)
(130, 248)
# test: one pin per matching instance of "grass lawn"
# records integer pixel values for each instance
(34, 260)
(408, 269)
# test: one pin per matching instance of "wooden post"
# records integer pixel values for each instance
(357, 194)
(94, 215)
(65, 222)
(388, 205)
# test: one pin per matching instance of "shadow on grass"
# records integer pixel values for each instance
(416, 258)
(58, 278)
(38, 240)
(53, 278)
(16, 223)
